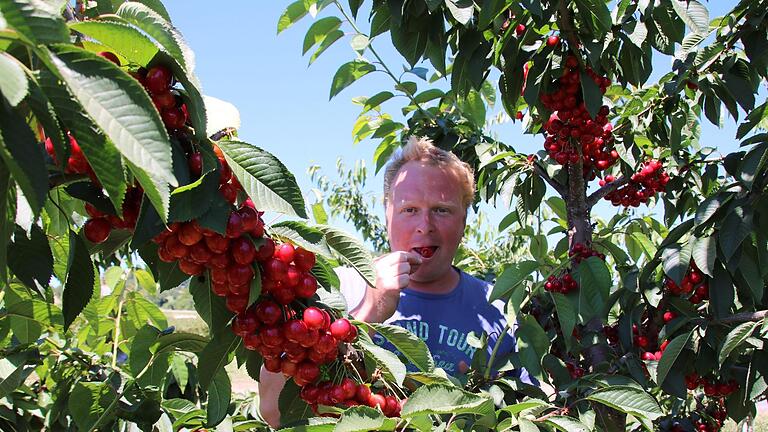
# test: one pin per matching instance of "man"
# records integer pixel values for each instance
(427, 192)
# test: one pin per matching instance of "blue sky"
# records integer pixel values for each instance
(283, 103)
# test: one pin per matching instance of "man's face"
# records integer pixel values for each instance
(425, 211)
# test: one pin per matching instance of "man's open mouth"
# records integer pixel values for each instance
(425, 251)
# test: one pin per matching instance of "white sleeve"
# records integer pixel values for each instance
(352, 286)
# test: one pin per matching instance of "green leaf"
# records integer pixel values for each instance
(443, 399)
(141, 311)
(461, 11)
(216, 355)
(675, 260)
(264, 178)
(292, 14)
(81, 286)
(122, 37)
(13, 81)
(161, 30)
(219, 396)
(596, 14)
(671, 353)
(348, 73)
(693, 13)
(364, 418)
(300, 234)
(123, 110)
(39, 22)
(88, 402)
(593, 97)
(102, 155)
(735, 338)
(594, 287)
(23, 157)
(704, 253)
(327, 42)
(710, 206)
(30, 258)
(187, 342)
(566, 424)
(145, 280)
(631, 400)
(512, 278)
(319, 30)
(532, 344)
(736, 226)
(566, 314)
(645, 243)
(14, 369)
(29, 317)
(428, 95)
(386, 360)
(376, 100)
(292, 407)
(410, 345)
(352, 252)
(212, 308)
(473, 108)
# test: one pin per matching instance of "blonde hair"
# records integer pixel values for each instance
(422, 150)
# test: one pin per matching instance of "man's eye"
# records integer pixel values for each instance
(409, 210)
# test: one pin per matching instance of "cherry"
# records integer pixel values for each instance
(244, 289)
(311, 340)
(196, 164)
(176, 248)
(275, 269)
(217, 243)
(692, 85)
(326, 344)
(519, 115)
(377, 400)
(252, 341)
(284, 295)
(229, 192)
(273, 365)
(173, 118)
(234, 225)
(309, 393)
(553, 41)
(313, 318)
(303, 259)
(285, 253)
(237, 303)
(97, 230)
(221, 290)
(648, 356)
(392, 407)
(669, 316)
(219, 261)
(307, 371)
(110, 56)
(158, 79)
(239, 274)
(520, 29)
(641, 341)
(288, 368)
(266, 250)
(306, 287)
(268, 312)
(242, 250)
(295, 330)
(363, 393)
(272, 336)
(341, 329)
(190, 234)
(164, 255)
(245, 324)
(164, 101)
(292, 276)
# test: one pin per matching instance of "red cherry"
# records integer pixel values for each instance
(243, 251)
(519, 115)
(669, 316)
(288, 368)
(663, 345)
(295, 330)
(199, 253)
(97, 230)
(190, 234)
(292, 276)
(217, 243)
(110, 56)
(326, 344)
(163, 101)
(219, 261)
(553, 41)
(275, 269)
(237, 303)
(239, 274)
(272, 336)
(273, 364)
(266, 250)
(268, 312)
(341, 328)
(641, 341)
(221, 290)
(306, 287)
(393, 406)
(692, 85)
(363, 393)
(176, 248)
(520, 29)
(308, 371)
(249, 217)
(234, 225)
(285, 253)
(252, 341)
(173, 118)
(284, 295)
(313, 318)
(244, 324)
(377, 400)
(190, 267)
(158, 79)
(228, 192)
(196, 164)
(304, 259)
(240, 289)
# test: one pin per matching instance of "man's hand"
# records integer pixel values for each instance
(393, 273)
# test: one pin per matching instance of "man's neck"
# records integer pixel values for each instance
(442, 285)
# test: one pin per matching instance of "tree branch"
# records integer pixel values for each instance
(743, 317)
(605, 190)
(555, 185)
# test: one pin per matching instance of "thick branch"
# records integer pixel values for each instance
(605, 190)
(555, 185)
(744, 317)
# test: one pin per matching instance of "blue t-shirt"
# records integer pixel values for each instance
(443, 321)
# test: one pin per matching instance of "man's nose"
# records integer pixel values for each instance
(425, 223)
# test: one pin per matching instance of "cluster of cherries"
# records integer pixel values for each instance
(562, 284)
(713, 387)
(229, 186)
(158, 82)
(101, 224)
(643, 185)
(349, 393)
(580, 252)
(77, 163)
(570, 131)
(574, 370)
(647, 340)
(693, 282)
